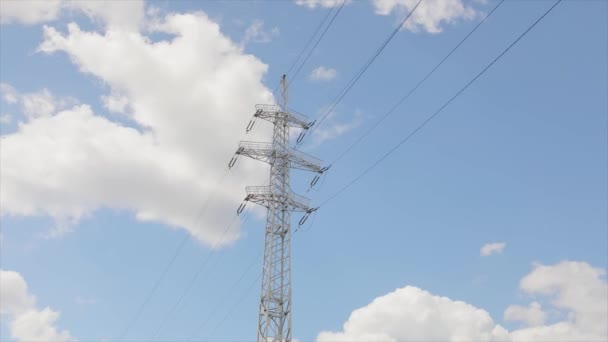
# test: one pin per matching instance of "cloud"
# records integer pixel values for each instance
(9, 94)
(255, 33)
(122, 14)
(577, 289)
(412, 314)
(323, 74)
(27, 323)
(320, 3)
(189, 97)
(430, 14)
(5, 119)
(492, 248)
(29, 12)
(35, 104)
(332, 130)
(532, 315)
(43, 103)
(115, 103)
(126, 15)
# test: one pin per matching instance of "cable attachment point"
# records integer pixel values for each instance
(303, 133)
(318, 176)
(242, 206)
(305, 217)
(235, 157)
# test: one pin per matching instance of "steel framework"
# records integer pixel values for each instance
(274, 322)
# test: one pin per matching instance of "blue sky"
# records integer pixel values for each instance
(117, 130)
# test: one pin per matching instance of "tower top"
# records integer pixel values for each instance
(284, 93)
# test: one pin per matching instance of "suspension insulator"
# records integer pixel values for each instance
(241, 207)
(301, 137)
(318, 176)
(315, 180)
(305, 217)
(250, 125)
(232, 161)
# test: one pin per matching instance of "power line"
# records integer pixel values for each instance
(292, 78)
(406, 96)
(310, 40)
(229, 294)
(236, 304)
(356, 179)
(360, 73)
(173, 258)
(163, 274)
(192, 281)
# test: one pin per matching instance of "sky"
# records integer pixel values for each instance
(118, 214)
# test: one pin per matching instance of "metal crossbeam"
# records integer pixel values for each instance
(266, 152)
(274, 113)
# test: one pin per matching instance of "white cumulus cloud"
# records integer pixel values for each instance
(26, 322)
(189, 97)
(9, 93)
(412, 314)
(576, 288)
(256, 33)
(115, 103)
(532, 315)
(122, 14)
(36, 104)
(334, 129)
(322, 73)
(492, 248)
(320, 3)
(5, 119)
(29, 12)
(430, 14)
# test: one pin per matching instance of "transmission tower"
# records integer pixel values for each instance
(274, 322)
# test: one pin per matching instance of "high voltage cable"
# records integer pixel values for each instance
(236, 304)
(359, 73)
(356, 179)
(293, 77)
(309, 42)
(188, 288)
(229, 294)
(257, 259)
(174, 256)
(406, 96)
(314, 34)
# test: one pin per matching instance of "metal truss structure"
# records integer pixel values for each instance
(274, 322)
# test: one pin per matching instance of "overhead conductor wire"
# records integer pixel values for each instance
(358, 75)
(192, 281)
(406, 96)
(228, 295)
(168, 266)
(424, 123)
(292, 77)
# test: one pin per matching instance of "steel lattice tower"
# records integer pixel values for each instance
(274, 323)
